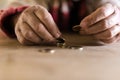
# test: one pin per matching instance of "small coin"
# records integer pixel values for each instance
(61, 45)
(47, 50)
(75, 47)
(60, 40)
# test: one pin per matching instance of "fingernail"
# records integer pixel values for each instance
(76, 28)
(57, 35)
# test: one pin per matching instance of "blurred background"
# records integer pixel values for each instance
(2, 3)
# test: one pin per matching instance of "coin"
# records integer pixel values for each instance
(47, 50)
(60, 40)
(74, 47)
(61, 45)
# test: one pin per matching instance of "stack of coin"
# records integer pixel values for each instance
(61, 42)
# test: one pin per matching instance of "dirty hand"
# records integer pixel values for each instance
(36, 26)
(103, 24)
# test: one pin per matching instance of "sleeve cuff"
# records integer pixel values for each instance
(5, 18)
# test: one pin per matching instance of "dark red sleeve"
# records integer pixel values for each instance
(5, 17)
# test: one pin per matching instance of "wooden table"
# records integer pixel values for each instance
(94, 62)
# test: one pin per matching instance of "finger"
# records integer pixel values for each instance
(77, 28)
(112, 40)
(48, 21)
(105, 23)
(108, 34)
(39, 28)
(29, 34)
(98, 15)
(82, 32)
(21, 39)
(117, 37)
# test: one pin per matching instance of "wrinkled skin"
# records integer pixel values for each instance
(36, 26)
(103, 24)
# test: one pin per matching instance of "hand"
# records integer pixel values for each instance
(103, 24)
(36, 26)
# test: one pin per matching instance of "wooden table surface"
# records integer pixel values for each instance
(94, 62)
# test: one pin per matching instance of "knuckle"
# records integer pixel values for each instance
(28, 11)
(39, 7)
(103, 11)
(42, 12)
(39, 27)
(27, 34)
(109, 35)
(26, 14)
(23, 17)
(45, 15)
(105, 24)
(106, 10)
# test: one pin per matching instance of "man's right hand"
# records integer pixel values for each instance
(36, 26)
